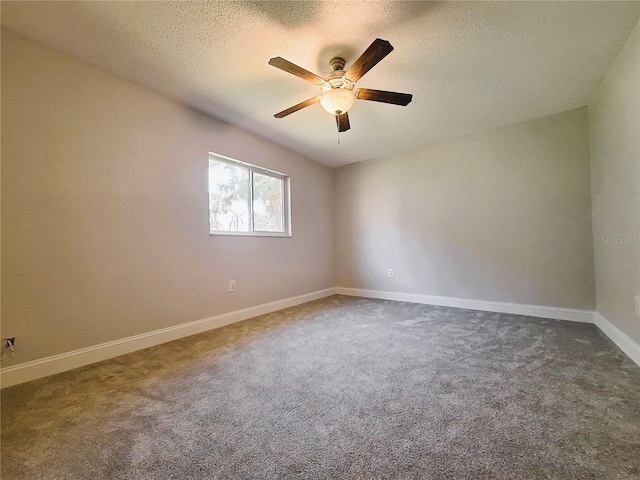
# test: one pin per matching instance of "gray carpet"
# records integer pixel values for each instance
(340, 388)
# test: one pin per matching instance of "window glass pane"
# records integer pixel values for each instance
(268, 194)
(228, 197)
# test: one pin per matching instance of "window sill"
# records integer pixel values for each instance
(250, 234)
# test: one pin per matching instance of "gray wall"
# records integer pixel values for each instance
(502, 216)
(105, 228)
(614, 126)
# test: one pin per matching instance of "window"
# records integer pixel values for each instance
(245, 199)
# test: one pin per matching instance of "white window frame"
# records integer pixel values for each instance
(286, 198)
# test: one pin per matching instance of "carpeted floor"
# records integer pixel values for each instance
(340, 388)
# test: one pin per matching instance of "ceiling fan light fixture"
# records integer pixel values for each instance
(337, 101)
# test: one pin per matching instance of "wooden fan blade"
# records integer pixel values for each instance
(383, 96)
(371, 56)
(343, 122)
(297, 107)
(294, 69)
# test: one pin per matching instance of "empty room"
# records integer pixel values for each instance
(329, 239)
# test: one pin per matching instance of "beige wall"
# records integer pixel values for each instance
(501, 216)
(104, 210)
(614, 126)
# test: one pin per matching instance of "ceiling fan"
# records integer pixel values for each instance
(338, 94)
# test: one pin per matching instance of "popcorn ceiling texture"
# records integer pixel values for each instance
(340, 388)
(471, 66)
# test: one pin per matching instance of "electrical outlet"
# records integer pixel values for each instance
(390, 272)
(9, 343)
(232, 285)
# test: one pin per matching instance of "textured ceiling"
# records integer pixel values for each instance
(470, 66)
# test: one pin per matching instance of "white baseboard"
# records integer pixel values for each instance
(624, 342)
(557, 313)
(33, 370)
(617, 336)
(44, 367)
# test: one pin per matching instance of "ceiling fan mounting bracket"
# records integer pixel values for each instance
(337, 63)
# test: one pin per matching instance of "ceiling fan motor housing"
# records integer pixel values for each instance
(336, 79)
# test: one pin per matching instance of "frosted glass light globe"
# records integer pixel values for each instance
(337, 100)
